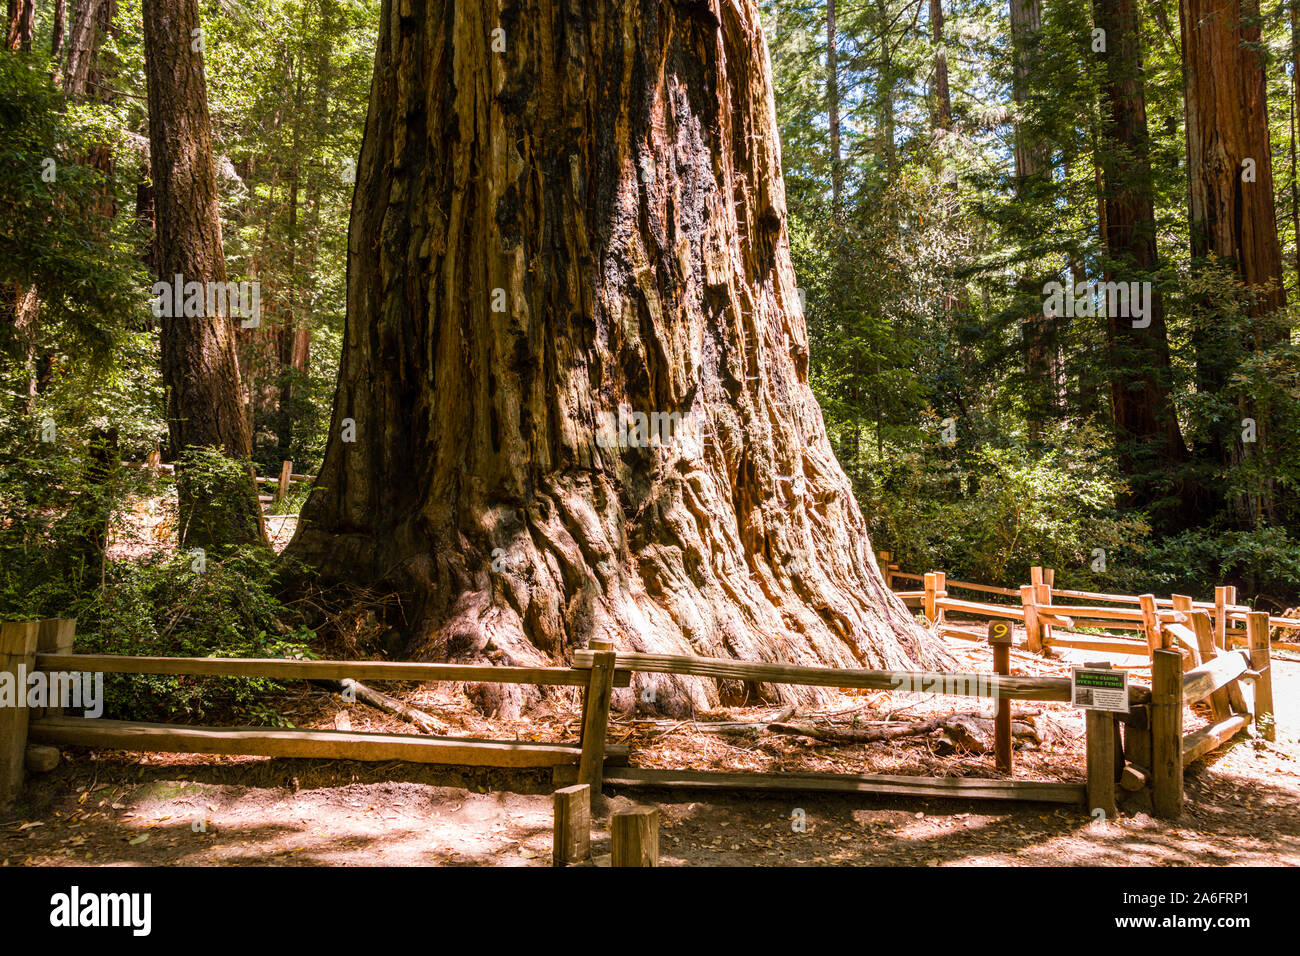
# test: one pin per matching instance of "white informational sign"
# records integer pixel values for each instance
(1094, 688)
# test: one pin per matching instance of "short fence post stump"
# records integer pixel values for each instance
(634, 837)
(1167, 733)
(54, 636)
(17, 651)
(572, 832)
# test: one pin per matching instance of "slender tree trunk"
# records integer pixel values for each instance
(885, 89)
(833, 109)
(57, 28)
(1032, 163)
(1152, 454)
(942, 96)
(200, 369)
(1231, 206)
(1295, 104)
(81, 46)
(584, 224)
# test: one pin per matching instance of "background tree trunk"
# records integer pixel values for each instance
(611, 183)
(942, 96)
(57, 28)
(833, 110)
(21, 24)
(1151, 448)
(1227, 123)
(1043, 383)
(200, 369)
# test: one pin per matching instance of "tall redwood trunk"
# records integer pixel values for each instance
(57, 28)
(1043, 376)
(200, 369)
(1151, 448)
(833, 109)
(1231, 218)
(591, 219)
(942, 96)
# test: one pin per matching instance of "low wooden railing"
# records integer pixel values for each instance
(1153, 744)
(1044, 611)
(46, 646)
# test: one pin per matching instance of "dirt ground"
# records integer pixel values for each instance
(118, 809)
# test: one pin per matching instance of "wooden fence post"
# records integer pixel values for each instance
(885, 559)
(17, 658)
(595, 715)
(1221, 602)
(1150, 623)
(1204, 630)
(1137, 745)
(286, 476)
(931, 595)
(634, 837)
(571, 841)
(1042, 597)
(54, 636)
(1102, 755)
(1167, 732)
(999, 634)
(1260, 661)
(1183, 603)
(1033, 630)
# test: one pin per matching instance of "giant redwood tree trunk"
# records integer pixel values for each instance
(592, 218)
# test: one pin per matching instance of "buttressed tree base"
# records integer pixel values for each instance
(574, 396)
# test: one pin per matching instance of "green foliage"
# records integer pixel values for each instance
(53, 233)
(919, 283)
(1002, 510)
(58, 508)
(166, 606)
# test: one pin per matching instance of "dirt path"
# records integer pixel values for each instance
(1243, 809)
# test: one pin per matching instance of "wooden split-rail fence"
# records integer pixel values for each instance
(1152, 752)
(1051, 618)
(281, 484)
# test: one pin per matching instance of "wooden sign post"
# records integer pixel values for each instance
(1000, 637)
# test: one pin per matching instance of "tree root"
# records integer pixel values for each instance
(968, 732)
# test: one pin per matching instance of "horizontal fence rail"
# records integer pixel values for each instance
(285, 669)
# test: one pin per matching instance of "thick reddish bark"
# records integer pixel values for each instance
(1231, 204)
(1151, 447)
(20, 24)
(592, 218)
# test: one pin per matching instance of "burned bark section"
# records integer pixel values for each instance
(592, 219)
